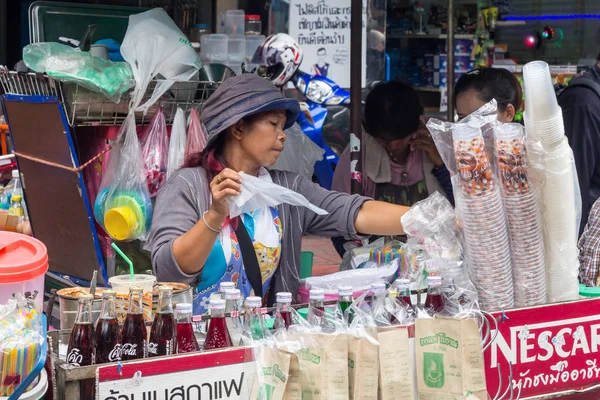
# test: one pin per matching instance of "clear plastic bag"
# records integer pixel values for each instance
(300, 153)
(123, 207)
(155, 145)
(67, 64)
(177, 144)
(196, 135)
(154, 46)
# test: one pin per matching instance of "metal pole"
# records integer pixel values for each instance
(356, 28)
(450, 43)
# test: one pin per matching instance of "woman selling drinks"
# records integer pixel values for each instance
(193, 240)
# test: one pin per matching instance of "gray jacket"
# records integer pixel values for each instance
(184, 198)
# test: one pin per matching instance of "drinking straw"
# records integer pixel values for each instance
(127, 260)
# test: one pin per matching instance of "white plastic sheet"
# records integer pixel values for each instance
(177, 144)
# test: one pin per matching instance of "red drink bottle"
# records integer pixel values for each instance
(163, 334)
(186, 340)
(134, 332)
(234, 321)
(108, 335)
(434, 301)
(402, 286)
(283, 315)
(217, 336)
(82, 344)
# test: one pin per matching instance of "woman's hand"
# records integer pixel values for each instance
(225, 184)
(423, 141)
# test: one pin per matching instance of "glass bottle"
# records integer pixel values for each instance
(133, 334)
(108, 333)
(316, 309)
(163, 335)
(224, 286)
(218, 335)
(82, 344)
(345, 299)
(234, 321)
(16, 214)
(378, 310)
(283, 313)
(254, 325)
(186, 339)
(402, 286)
(434, 300)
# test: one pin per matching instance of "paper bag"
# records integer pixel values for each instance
(396, 367)
(272, 373)
(293, 389)
(449, 359)
(363, 373)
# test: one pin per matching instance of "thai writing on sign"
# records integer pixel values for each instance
(553, 348)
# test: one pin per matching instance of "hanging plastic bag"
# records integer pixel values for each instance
(64, 63)
(258, 193)
(196, 135)
(155, 144)
(177, 145)
(300, 153)
(154, 45)
(123, 207)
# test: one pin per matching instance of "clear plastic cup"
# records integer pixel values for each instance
(540, 97)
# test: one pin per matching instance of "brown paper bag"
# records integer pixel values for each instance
(272, 371)
(449, 359)
(363, 368)
(293, 389)
(396, 368)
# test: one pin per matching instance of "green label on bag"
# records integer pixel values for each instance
(306, 355)
(439, 338)
(433, 370)
(266, 392)
(350, 363)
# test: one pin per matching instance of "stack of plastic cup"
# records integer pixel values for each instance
(484, 223)
(524, 218)
(543, 120)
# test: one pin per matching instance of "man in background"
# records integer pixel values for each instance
(580, 103)
(321, 67)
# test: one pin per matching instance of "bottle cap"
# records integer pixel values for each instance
(223, 286)
(434, 281)
(109, 293)
(253, 301)
(252, 17)
(317, 294)
(183, 307)
(165, 288)
(284, 297)
(15, 174)
(16, 198)
(402, 283)
(136, 289)
(378, 287)
(85, 296)
(217, 304)
(345, 291)
(232, 294)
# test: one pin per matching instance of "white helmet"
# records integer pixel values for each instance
(280, 57)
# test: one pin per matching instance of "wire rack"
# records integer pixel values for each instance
(87, 108)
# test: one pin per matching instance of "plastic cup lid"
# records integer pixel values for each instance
(232, 294)
(252, 17)
(22, 258)
(317, 294)
(253, 301)
(183, 307)
(284, 297)
(345, 291)
(223, 286)
(217, 304)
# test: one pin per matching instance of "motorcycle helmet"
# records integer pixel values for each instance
(279, 58)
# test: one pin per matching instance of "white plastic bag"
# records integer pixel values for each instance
(300, 153)
(154, 45)
(177, 144)
(259, 193)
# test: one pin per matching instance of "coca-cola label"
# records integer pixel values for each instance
(153, 348)
(75, 357)
(129, 349)
(115, 353)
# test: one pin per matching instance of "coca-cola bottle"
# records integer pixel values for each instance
(82, 344)
(163, 333)
(108, 334)
(186, 339)
(134, 332)
(217, 336)
(234, 321)
(283, 313)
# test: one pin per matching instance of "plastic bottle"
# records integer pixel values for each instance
(218, 335)
(234, 321)
(4, 207)
(134, 332)
(254, 325)
(16, 214)
(108, 334)
(82, 344)
(186, 340)
(283, 313)
(434, 301)
(163, 334)
(14, 187)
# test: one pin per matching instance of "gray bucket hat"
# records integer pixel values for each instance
(240, 97)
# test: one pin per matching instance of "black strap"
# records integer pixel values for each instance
(249, 259)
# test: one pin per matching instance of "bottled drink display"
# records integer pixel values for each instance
(402, 286)
(345, 299)
(217, 336)
(163, 333)
(434, 300)
(234, 321)
(254, 324)
(378, 310)
(134, 332)
(186, 340)
(283, 313)
(224, 286)
(82, 344)
(108, 334)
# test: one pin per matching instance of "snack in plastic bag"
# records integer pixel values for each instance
(196, 135)
(67, 64)
(300, 153)
(155, 144)
(123, 207)
(177, 144)
(154, 45)
(257, 193)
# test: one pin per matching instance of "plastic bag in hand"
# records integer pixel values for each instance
(197, 137)
(155, 144)
(154, 45)
(64, 63)
(259, 193)
(300, 153)
(177, 145)
(123, 206)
